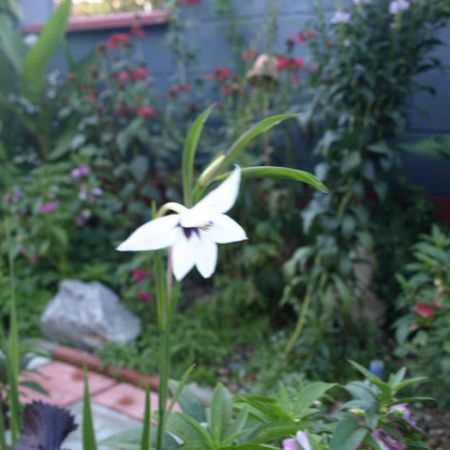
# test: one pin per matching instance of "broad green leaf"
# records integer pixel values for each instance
(280, 172)
(126, 440)
(347, 435)
(435, 146)
(189, 151)
(89, 440)
(249, 447)
(308, 395)
(41, 54)
(221, 411)
(274, 431)
(189, 430)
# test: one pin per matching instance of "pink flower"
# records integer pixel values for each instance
(425, 310)
(398, 6)
(403, 410)
(141, 73)
(190, 2)
(146, 297)
(146, 111)
(139, 275)
(123, 76)
(221, 74)
(118, 40)
(49, 207)
(285, 63)
(82, 171)
(341, 16)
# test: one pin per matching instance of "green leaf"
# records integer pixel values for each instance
(249, 447)
(435, 146)
(189, 430)
(261, 127)
(274, 431)
(221, 411)
(308, 395)
(347, 435)
(183, 394)
(11, 43)
(189, 151)
(147, 425)
(126, 440)
(89, 441)
(280, 172)
(41, 54)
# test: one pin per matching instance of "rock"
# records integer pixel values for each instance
(88, 315)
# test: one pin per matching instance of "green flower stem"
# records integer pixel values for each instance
(300, 321)
(13, 366)
(166, 305)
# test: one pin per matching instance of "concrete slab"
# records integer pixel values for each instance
(107, 423)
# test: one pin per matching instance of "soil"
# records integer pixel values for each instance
(436, 424)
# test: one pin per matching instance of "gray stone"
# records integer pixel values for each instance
(88, 315)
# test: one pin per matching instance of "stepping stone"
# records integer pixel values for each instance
(107, 423)
(64, 383)
(126, 399)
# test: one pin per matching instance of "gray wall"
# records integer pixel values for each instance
(209, 37)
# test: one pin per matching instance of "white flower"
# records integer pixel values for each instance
(360, 2)
(193, 234)
(341, 16)
(398, 6)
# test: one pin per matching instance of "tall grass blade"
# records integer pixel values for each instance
(147, 425)
(89, 440)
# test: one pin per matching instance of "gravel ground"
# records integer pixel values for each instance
(437, 426)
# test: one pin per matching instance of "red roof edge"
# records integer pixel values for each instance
(109, 21)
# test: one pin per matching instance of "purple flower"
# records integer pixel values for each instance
(341, 16)
(49, 207)
(302, 439)
(398, 6)
(83, 217)
(403, 410)
(82, 171)
(386, 441)
(98, 192)
(290, 444)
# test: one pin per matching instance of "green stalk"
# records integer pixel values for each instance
(300, 321)
(13, 347)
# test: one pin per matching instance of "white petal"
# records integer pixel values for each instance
(183, 254)
(224, 230)
(153, 235)
(206, 257)
(223, 197)
(197, 217)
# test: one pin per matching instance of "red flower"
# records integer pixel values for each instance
(289, 63)
(139, 275)
(138, 32)
(190, 2)
(425, 310)
(118, 40)
(123, 109)
(146, 111)
(249, 55)
(146, 297)
(179, 88)
(307, 35)
(123, 76)
(221, 74)
(141, 73)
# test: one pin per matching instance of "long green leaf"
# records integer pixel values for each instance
(38, 58)
(89, 440)
(261, 127)
(147, 426)
(177, 388)
(12, 43)
(280, 172)
(189, 151)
